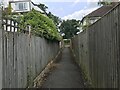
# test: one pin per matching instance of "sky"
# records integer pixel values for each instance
(68, 9)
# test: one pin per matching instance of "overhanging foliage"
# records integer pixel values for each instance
(41, 25)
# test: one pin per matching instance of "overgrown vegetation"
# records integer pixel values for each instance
(44, 8)
(40, 24)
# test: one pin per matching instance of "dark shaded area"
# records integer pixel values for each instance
(66, 75)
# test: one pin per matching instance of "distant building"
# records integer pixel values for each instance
(22, 6)
(97, 14)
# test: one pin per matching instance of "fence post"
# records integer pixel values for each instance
(1, 51)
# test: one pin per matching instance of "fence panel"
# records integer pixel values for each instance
(24, 56)
(100, 43)
(1, 47)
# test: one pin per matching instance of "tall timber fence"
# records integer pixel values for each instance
(97, 50)
(1, 50)
(22, 56)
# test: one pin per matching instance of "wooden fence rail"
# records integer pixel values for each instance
(97, 50)
(22, 57)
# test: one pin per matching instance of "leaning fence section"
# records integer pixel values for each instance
(97, 50)
(24, 55)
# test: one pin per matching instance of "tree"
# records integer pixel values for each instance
(69, 28)
(7, 11)
(56, 19)
(43, 7)
(104, 2)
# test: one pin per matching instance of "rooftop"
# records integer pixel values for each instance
(101, 11)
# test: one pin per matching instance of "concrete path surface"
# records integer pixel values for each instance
(66, 75)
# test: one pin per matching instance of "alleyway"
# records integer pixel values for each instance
(66, 75)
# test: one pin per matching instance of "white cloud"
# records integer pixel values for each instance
(79, 14)
(92, 1)
(75, 2)
(91, 6)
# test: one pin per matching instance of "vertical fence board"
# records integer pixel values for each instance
(15, 62)
(118, 33)
(1, 50)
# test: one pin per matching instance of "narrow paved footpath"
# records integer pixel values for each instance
(66, 75)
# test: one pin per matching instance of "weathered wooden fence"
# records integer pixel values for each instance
(1, 50)
(23, 56)
(97, 50)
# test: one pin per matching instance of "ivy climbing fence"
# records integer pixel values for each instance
(22, 55)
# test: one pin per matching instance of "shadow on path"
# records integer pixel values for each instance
(66, 75)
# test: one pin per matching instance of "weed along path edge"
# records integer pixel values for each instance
(66, 73)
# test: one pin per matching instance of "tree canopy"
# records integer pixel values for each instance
(56, 19)
(44, 8)
(104, 2)
(69, 28)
